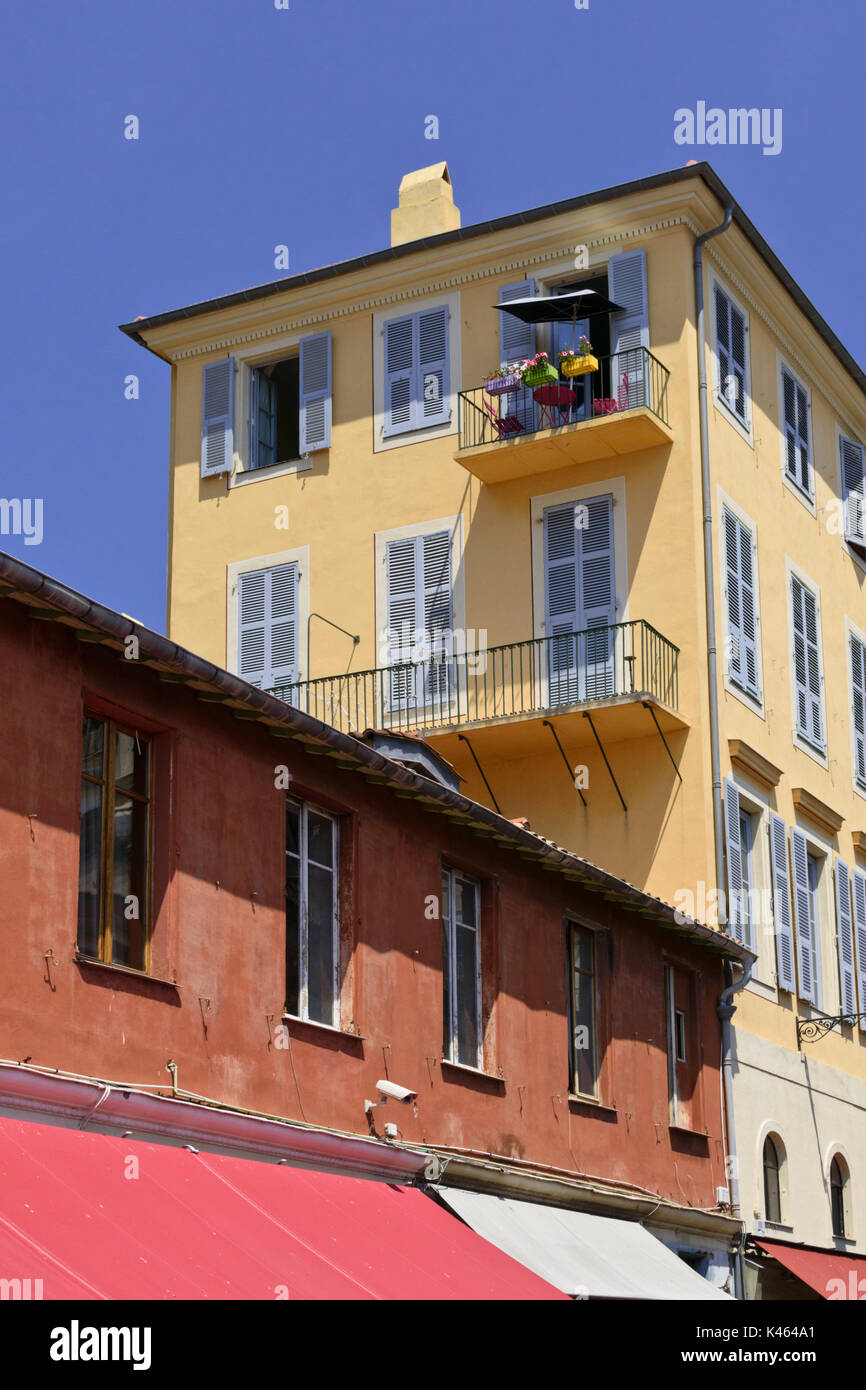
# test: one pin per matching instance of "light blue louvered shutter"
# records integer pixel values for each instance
(252, 620)
(404, 619)
(807, 664)
(283, 653)
(858, 707)
(731, 355)
(562, 601)
(315, 393)
(851, 459)
(438, 615)
(742, 607)
(736, 915)
(268, 626)
(433, 392)
(597, 597)
(629, 327)
(803, 916)
(516, 343)
(795, 409)
(782, 904)
(845, 937)
(399, 376)
(217, 413)
(858, 885)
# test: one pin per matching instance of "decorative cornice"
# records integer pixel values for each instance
(419, 291)
(818, 811)
(749, 760)
(859, 839)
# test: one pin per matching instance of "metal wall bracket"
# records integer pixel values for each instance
(547, 724)
(813, 1029)
(648, 706)
(496, 805)
(587, 715)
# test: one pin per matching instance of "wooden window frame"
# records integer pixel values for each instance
(304, 807)
(450, 1047)
(571, 928)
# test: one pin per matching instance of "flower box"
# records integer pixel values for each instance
(579, 366)
(499, 385)
(540, 374)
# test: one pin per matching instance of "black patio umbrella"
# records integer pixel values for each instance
(560, 308)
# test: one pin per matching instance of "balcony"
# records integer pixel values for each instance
(620, 409)
(505, 693)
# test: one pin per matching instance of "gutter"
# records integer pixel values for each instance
(45, 595)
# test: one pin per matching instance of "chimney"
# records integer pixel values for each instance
(426, 205)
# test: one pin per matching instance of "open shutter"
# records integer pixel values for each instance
(851, 458)
(399, 375)
(858, 885)
(315, 393)
(844, 937)
(802, 916)
(217, 410)
(858, 707)
(807, 666)
(433, 392)
(731, 354)
(736, 915)
(251, 626)
(629, 328)
(796, 412)
(516, 343)
(597, 598)
(741, 603)
(782, 904)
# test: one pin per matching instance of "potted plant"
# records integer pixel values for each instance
(505, 378)
(578, 363)
(539, 370)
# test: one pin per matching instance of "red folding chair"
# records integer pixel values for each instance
(504, 425)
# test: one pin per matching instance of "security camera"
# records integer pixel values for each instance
(392, 1092)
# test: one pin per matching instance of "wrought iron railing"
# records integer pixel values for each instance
(625, 381)
(544, 675)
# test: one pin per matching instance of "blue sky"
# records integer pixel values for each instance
(261, 127)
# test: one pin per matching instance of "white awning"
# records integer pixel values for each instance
(583, 1255)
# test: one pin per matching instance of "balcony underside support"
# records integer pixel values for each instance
(587, 715)
(648, 706)
(548, 725)
(496, 805)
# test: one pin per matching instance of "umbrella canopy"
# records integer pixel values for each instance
(556, 308)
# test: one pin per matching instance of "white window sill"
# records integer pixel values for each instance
(741, 426)
(274, 470)
(473, 1071)
(801, 493)
(326, 1027)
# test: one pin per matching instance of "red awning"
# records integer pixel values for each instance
(93, 1216)
(832, 1276)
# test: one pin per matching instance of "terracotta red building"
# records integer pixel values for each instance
(239, 921)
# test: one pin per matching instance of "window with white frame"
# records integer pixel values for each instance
(268, 627)
(808, 677)
(732, 357)
(461, 968)
(420, 621)
(794, 423)
(852, 468)
(312, 913)
(741, 603)
(417, 353)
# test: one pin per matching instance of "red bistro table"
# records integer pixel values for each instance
(553, 400)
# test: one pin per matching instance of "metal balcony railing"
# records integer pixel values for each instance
(626, 381)
(543, 675)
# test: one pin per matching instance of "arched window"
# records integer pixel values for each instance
(772, 1180)
(839, 1195)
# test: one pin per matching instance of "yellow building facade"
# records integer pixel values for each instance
(357, 522)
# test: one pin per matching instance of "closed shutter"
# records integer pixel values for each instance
(802, 916)
(438, 616)
(731, 355)
(858, 885)
(562, 597)
(420, 614)
(433, 393)
(807, 664)
(736, 916)
(597, 599)
(845, 938)
(516, 344)
(742, 607)
(782, 904)
(268, 626)
(579, 583)
(858, 707)
(399, 375)
(315, 393)
(217, 412)
(796, 413)
(851, 458)
(629, 327)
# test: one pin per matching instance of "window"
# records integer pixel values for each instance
(839, 1197)
(808, 679)
(741, 593)
(807, 868)
(795, 432)
(851, 465)
(114, 862)
(858, 708)
(773, 1161)
(584, 1043)
(268, 627)
(732, 386)
(312, 913)
(782, 904)
(461, 969)
(682, 1010)
(580, 600)
(739, 840)
(680, 1035)
(275, 400)
(845, 938)
(417, 371)
(420, 620)
(747, 841)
